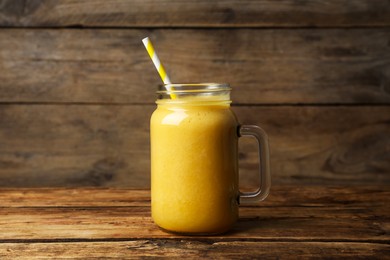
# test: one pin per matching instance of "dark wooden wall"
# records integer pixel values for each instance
(77, 87)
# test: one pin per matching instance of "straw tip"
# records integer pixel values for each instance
(145, 40)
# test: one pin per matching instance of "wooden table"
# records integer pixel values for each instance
(294, 222)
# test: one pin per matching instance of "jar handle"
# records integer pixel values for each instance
(264, 168)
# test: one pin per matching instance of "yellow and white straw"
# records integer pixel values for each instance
(156, 61)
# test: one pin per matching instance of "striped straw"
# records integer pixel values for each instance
(157, 63)
(156, 60)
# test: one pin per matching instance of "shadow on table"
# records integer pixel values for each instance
(270, 225)
(247, 224)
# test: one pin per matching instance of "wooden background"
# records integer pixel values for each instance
(77, 87)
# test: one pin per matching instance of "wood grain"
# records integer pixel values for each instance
(300, 66)
(74, 197)
(274, 221)
(266, 223)
(146, 248)
(108, 145)
(75, 102)
(294, 222)
(221, 13)
(281, 195)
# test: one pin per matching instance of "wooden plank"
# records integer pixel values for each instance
(194, 249)
(49, 145)
(304, 196)
(300, 66)
(354, 222)
(97, 145)
(73, 197)
(225, 13)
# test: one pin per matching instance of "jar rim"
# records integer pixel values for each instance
(186, 88)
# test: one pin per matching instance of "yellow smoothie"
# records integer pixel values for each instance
(194, 166)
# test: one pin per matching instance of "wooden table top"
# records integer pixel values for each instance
(293, 222)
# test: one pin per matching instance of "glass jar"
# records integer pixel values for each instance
(194, 159)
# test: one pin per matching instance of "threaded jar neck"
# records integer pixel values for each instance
(193, 93)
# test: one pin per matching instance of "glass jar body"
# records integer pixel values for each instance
(194, 166)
